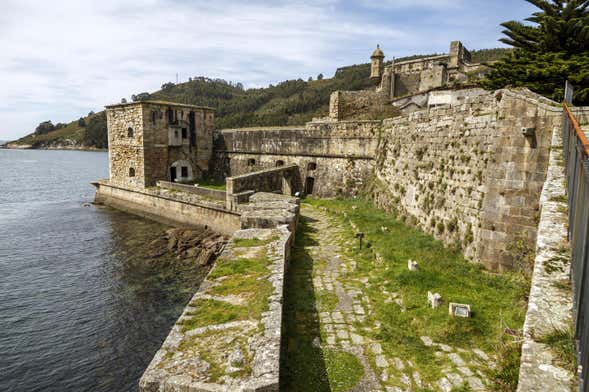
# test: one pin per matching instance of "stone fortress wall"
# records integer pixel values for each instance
(466, 173)
(333, 158)
(461, 169)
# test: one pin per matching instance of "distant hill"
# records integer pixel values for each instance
(292, 102)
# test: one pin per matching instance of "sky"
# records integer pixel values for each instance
(61, 59)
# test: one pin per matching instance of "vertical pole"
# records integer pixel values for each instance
(568, 92)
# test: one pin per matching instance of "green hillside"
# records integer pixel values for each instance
(292, 102)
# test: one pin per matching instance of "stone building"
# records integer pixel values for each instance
(409, 77)
(154, 140)
(404, 85)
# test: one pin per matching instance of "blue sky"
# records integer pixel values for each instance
(61, 59)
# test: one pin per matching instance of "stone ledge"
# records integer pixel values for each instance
(242, 354)
(549, 306)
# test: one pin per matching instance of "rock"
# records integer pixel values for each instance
(399, 364)
(381, 361)
(435, 300)
(376, 348)
(456, 359)
(236, 358)
(481, 354)
(412, 265)
(427, 341)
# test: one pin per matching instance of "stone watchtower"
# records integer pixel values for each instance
(377, 65)
(154, 140)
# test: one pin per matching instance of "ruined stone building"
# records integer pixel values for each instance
(152, 140)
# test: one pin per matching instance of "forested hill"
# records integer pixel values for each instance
(287, 103)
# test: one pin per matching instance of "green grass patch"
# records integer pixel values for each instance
(505, 376)
(497, 300)
(212, 184)
(239, 266)
(344, 370)
(212, 312)
(562, 343)
(327, 301)
(251, 242)
(560, 198)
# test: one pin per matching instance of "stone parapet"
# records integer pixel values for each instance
(550, 303)
(195, 189)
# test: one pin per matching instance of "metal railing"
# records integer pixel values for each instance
(576, 155)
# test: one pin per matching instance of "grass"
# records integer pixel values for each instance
(559, 198)
(498, 301)
(562, 344)
(344, 370)
(213, 346)
(251, 242)
(212, 184)
(212, 312)
(72, 131)
(240, 266)
(243, 277)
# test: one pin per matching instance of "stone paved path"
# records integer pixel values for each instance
(337, 324)
(344, 322)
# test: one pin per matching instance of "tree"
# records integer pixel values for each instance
(81, 122)
(553, 48)
(140, 97)
(123, 100)
(96, 133)
(320, 76)
(44, 127)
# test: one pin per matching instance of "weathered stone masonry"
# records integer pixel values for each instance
(152, 140)
(466, 173)
(333, 158)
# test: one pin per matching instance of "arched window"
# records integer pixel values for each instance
(131, 172)
(280, 162)
(251, 162)
(130, 132)
(312, 166)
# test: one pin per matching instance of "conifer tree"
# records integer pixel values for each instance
(552, 47)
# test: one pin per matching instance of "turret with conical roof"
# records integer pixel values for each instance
(377, 65)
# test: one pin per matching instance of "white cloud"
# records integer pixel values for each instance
(84, 54)
(61, 59)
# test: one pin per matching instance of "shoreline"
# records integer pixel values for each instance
(11, 146)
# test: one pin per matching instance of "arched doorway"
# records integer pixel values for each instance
(181, 171)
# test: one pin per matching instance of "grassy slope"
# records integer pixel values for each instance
(72, 132)
(292, 102)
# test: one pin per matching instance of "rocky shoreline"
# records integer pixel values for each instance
(198, 246)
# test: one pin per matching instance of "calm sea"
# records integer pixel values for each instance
(82, 307)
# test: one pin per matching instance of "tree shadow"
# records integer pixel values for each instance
(302, 364)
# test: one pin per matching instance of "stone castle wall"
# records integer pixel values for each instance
(358, 105)
(466, 174)
(337, 156)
